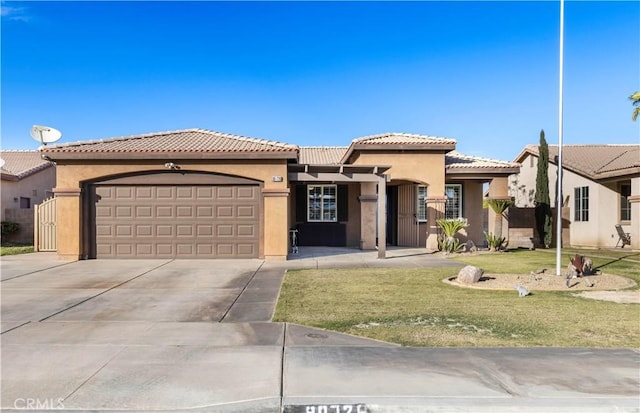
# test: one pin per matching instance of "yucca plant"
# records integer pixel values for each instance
(495, 243)
(450, 227)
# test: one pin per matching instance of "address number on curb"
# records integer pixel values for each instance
(327, 408)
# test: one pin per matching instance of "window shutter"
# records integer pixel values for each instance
(576, 204)
(343, 203)
(301, 203)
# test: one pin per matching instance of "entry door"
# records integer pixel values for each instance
(408, 228)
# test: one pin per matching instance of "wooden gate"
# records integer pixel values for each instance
(408, 228)
(44, 228)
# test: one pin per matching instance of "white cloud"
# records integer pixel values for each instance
(15, 13)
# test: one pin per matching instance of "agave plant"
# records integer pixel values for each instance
(495, 242)
(450, 228)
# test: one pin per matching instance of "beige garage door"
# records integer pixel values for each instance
(177, 221)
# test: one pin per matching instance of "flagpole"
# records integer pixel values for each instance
(559, 183)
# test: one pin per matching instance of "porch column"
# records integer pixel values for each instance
(276, 230)
(368, 199)
(382, 217)
(68, 223)
(435, 211)
(634, 200)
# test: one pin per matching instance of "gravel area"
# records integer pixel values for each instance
(603, 286)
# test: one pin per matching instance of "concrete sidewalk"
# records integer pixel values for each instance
(164, 335)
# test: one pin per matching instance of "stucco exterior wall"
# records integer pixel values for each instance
(420, 167)
(72, 175)
(425, 168)
(35, 187)
(604, 204)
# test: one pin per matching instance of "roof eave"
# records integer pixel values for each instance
(363, 146)
(622, 173)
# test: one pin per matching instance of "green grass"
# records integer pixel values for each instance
(15, 249)
(414, 307)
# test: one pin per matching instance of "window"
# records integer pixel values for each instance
(453, 206)
(422, 206)
(25, 202)
(322, 203)
(581, 204)
(625, 205)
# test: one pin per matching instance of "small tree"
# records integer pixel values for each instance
(498, 206)
(542, 201)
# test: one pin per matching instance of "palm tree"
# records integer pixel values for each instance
(635, 99)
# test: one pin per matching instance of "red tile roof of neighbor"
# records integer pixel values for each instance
(182, 142)
(593, 161)
(20, 164)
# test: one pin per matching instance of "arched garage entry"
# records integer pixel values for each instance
(178, 214)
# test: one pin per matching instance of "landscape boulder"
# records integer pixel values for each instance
(469, 274)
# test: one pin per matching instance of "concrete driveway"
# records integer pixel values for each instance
(167, 335)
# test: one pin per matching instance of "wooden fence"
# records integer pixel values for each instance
(44, 237)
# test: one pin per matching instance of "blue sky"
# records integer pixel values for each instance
(321, 73)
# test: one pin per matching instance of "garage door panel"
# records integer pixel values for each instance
(143, 211)
(246, 211)
(246, 250)
(145, 230)
(164, 212)
(125, 192)
(144, 250)
(177, 221)
(164, 192)
(144, 192)
(246, 231)
(164, 231)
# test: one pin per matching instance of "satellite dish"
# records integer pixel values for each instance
(45, 134)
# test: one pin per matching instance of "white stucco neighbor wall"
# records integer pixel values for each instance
(604, 203)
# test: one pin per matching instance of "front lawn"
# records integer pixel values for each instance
(412, 306)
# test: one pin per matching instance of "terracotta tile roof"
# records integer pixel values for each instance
(398, 141)
(194, 142)
(321, 155)
(20, 164)
(594, 161)
(394, 138)
(456, 162)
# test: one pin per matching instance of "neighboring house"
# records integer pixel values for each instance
(27, 180)
(600, 185)
(197, 193)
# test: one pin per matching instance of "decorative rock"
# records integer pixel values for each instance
(469, 275)
(471, 247)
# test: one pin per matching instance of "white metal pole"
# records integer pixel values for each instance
(559, 183)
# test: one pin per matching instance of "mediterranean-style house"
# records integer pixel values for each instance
(600, 186)
(198, 193)
(27, 180)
